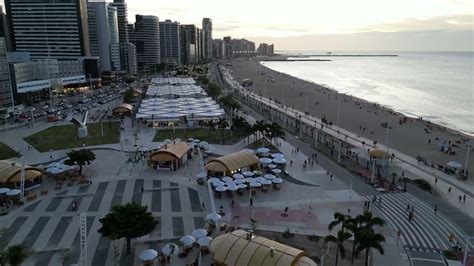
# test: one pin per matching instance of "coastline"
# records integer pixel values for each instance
(409, 135)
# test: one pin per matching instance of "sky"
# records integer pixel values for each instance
(338, 20)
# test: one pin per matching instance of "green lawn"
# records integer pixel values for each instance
(6, 152)
(203, 134)
(65, 137)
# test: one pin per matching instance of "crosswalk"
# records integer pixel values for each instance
(50, 225)
(426, 230)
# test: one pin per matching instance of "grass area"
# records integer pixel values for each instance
(6, 152)
(65, 136)
(213, 137)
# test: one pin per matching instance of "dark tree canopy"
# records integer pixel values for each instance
(130, 221)
(80, 157)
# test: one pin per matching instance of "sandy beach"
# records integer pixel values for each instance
(411, 136)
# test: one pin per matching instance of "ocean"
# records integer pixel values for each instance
(437, 86)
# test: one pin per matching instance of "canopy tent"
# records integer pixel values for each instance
(236, 248)
(10, 174)
(232, 162)
(454, 164)
(173, 80)
(148, 254)
(123, 109)
(379, 154)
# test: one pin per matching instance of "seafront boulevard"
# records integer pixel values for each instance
(299, 123)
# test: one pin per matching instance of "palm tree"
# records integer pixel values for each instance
(369, 239)
(368, 220)
(260, 127)
(342, 236)
(14, 255)
(276, 132)
(339, 218)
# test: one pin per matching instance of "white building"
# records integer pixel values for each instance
(104, 34)
(128, 55)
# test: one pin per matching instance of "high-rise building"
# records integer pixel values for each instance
(242, 48)
(146, 38)
(170, 43)
(199, 44)
(190, 45)
(207, 38)
(49, 28)
(217, 45)
(4, 30)
(122, 19)
(227, 48)
(128, 56)
(6, 93)
(104, 35)
(265, 49)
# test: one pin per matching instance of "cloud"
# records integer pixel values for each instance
(453, 22)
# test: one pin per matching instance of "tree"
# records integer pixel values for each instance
(128, 96)
(342, 236)
(369, 239)
(259, 128)
(80, 157)
(14, 255)
(275, 131)
(130, 221)
(359, 224)
(214, 90)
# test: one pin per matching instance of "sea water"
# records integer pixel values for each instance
(437, 86)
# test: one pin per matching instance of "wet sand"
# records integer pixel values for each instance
(411, 137)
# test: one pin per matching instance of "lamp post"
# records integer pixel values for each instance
(468, 150)
(22, 179)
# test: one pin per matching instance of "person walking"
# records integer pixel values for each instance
(436, 181)
(435, 209)
(449, 190)
(460, 198)
(309, 210)
(251, 202)
(203, 206)
(464, 198)
(408, 208)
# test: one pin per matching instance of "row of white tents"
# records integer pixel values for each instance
(173, 80)
(175, 91)
(193, 108)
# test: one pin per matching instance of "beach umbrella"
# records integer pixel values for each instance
(226, 179)
(276, 171)
(187, 240)
(272, 165)
(190, 140)
(215, 217)
(266, 182)
(263, 150)
(218, 183)
(277, 180)
(170, 249)
(269, 176)
(213, 179)
(238, 176)
(199, 233)
(248, 173)
(278, 155)
(201, 175)
(279, 160)
(265, 160)
(4, 190)
(205, 241)
(157, 147)
(221, 188)
(196, 141)
(260, 179)
(230, 183)
(257, 172)
(454, 164)
(143, 149)
(55, 170)
(239, 181)
(255, 184)
(249, 180)
(13, 192)
(148, 254)
(240, 186)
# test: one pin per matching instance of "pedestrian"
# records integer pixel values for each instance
(291, 162)
(403, 174)
(203, 206)
(374, 199)
(142, 189)
(315, 156)
(410, 216)
(408, 208)
(309, 210)
(330, 178)
(232, 203)
(435, 209)
(348, 210)
(460, 198)
(251, 202)
(464, 198)
(286, 209)
(436, 181)
(449, 191)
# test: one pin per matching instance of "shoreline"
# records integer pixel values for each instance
(388, 108)
(412, 136)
